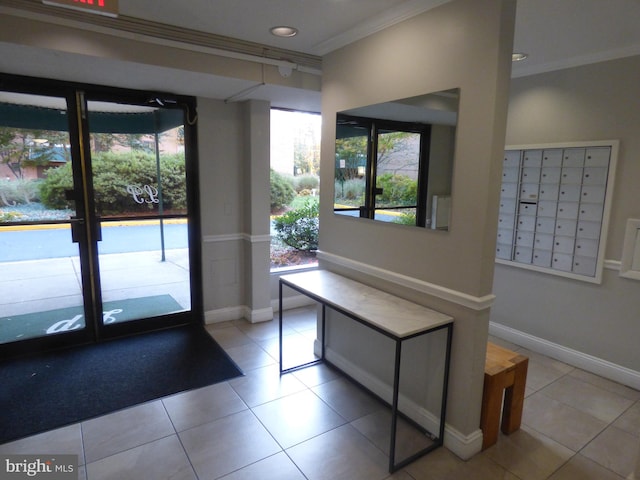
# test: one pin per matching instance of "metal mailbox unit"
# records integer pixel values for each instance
(554, 207)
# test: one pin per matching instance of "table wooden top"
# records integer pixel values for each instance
(395, 315)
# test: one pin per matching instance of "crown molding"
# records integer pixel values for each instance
(572, 62)
(377, 23)
(164, 34)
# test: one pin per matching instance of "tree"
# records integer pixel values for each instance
(390, 145)
(104, 142)
(306, 151)
(180, 135)
(353, 152)
(19, 147)
(49, 146)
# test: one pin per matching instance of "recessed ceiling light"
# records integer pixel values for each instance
(518, 57)
(283, 31)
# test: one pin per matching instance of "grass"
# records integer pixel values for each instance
(300, 200)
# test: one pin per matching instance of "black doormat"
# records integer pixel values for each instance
(62, 387)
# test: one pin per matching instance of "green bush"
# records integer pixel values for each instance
(299, 228)
(114, 175)
(350, 191)
(406, 219)
(54, 185)
(282, 191)
(397, 189)
(306, 182)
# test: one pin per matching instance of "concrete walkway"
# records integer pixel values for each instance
(44, 285)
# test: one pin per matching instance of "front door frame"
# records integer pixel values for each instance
(76, 95)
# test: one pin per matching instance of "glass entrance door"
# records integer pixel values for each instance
(397, 170)
(96, 216)
(41, 285)
(140, 204)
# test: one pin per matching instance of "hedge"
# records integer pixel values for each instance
(116, 178)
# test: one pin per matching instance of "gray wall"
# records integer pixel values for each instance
(465, 44)
(593, 102)
(234, 192)
(220, 132)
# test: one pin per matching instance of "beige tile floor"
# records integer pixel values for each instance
(312, 424)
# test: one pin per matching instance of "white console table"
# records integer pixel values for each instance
(387, 314)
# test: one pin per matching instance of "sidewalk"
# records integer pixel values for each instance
(44, 285)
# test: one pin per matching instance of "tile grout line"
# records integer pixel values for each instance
(177, 434)
(608, 424)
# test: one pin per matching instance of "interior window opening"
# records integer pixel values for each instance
(294, 188)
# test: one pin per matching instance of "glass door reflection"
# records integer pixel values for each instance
(139, 183)
(41, 294)
(96, 232)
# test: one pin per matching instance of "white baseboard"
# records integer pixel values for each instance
(592, 364)
(464, 446)
(255, 316)
(223, 314)
(295, 301)
(260, 315)
(238, 312)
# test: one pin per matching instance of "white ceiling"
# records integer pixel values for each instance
(323, 24)
(555, 33)
(563, 33)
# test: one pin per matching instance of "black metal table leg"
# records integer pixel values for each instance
(280, 324)
(394, 407)
(324, 331)
(280, 327)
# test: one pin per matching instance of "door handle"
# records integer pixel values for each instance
(77, 230)
(98, 229)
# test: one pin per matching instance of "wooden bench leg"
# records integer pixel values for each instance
(514, 398)
(491, 405)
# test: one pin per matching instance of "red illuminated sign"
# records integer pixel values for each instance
(101, 7)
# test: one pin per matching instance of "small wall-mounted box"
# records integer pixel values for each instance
(630, 267)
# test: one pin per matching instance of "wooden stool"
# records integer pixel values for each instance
(504, 371)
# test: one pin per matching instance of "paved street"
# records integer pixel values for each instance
(33, 244)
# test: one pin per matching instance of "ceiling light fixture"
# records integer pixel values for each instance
(283, 31)
(518, 57)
